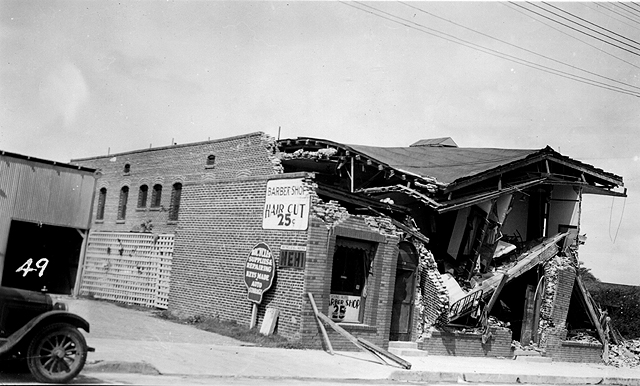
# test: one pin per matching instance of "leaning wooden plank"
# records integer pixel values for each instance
(322, 329)
(385, 353)
(349, 337)
(582, 291)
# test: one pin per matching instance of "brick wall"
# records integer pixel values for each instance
(220, 222)
(240, 156)
(468, 344)
(378, 304)
(568, 351)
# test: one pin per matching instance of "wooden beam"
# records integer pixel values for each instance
(381, 351)
(322, 329)
(348, 336)
(592, 314)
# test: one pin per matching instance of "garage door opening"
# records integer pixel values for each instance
(40, 255)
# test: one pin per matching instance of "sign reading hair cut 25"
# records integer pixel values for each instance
(286, 205)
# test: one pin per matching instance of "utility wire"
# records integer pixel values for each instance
(489, 51)
(575, 29)
(607, 15)
(518, 47)
(619, 14)
(573, 37)
(633, 10)
(587, 21)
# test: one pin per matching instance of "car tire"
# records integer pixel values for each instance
(57, 353)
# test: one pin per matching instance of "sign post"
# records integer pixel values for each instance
(259, 272)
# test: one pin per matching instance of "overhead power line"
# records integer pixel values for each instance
(442, 35)
(518, 47)
(581, 25)
(619, 14)
(573, 28)
(590, 23)
(607, 15)
(571, 36)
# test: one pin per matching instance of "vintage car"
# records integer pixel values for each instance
(44, 335)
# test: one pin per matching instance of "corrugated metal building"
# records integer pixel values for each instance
(45, 214)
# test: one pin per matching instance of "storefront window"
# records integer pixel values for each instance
(352, 261)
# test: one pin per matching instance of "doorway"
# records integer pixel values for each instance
(40, 255)
(404, 293)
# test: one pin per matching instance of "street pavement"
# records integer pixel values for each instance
(135, 341)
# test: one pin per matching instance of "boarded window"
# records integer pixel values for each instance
(156, 196)
(174, 208)
(142, 196)
(102, 199)
(122, 204)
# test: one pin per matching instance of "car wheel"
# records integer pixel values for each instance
(57, 353)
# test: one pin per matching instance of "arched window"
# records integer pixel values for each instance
(156, 196)
(127, 168)
(102, 199)
(174, 207)
(211, 160)
(142, 196)
(122, 204)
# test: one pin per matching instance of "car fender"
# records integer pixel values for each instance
(34, 324)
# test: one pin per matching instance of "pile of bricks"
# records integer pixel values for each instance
(548, 311)
(431, 313)
(329, 212)
(320, 154)
(625, 354)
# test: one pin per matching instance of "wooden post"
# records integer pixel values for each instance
(322, 329)
(254, 316)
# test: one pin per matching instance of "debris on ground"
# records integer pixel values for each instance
(583, 337)
(625, 354)
(516, 345)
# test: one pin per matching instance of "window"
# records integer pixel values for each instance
(352, 261)
(127, 169)
(102, 198)
(211, 160)
(142, 196)
(122, 204)
(156, 196)
(174, 207)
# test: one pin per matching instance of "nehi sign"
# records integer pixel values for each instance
(259, 272)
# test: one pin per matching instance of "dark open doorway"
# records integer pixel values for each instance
(40, 255)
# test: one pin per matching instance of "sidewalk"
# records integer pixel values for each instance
(134, 341)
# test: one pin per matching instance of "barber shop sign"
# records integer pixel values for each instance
(286, 205)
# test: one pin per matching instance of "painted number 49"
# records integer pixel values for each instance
(40, 265)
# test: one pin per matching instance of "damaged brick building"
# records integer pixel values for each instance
(456, 250)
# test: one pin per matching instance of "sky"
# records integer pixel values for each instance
(88, 78)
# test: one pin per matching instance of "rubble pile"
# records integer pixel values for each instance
(516, 345)
(551, 268)
(625, 354)
(430, 313)
(316, 155)
(583, 337)
(329, 212)
(383, 225)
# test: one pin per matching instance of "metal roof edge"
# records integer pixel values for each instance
(48, 162)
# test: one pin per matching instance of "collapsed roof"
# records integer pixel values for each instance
(441, 174)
